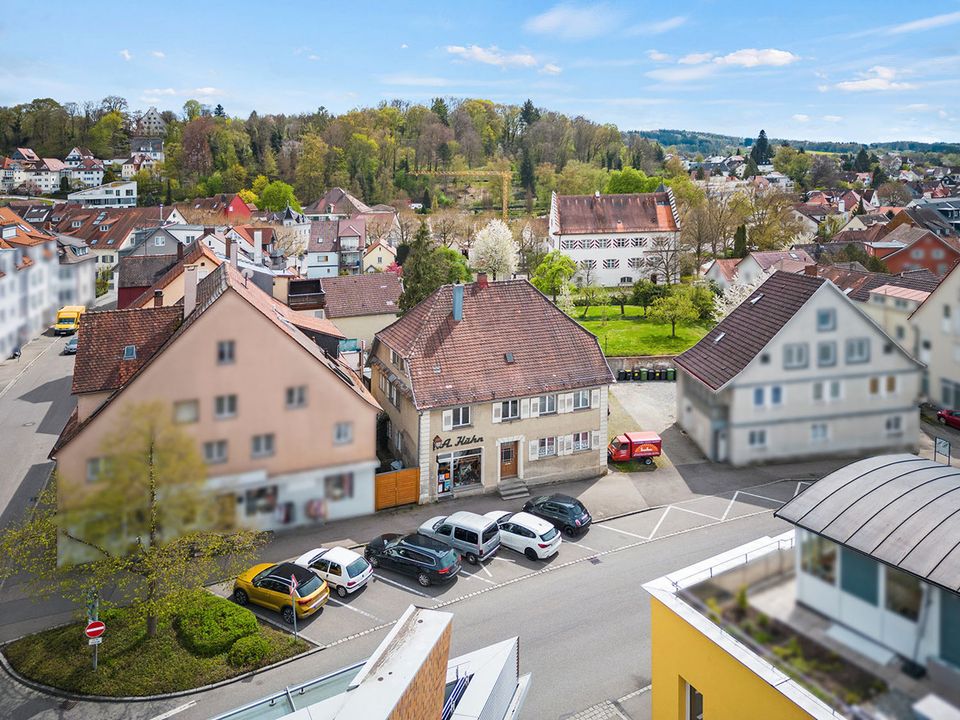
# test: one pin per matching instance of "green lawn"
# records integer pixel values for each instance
(129, 663)
(631, 334)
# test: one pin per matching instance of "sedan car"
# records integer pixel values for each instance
(950, 418)
(268, 585)
(426, 559)
(526, 533)
(342, 569)
(567, 513)
(71, 347)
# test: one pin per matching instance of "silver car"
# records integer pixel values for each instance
(474, 536)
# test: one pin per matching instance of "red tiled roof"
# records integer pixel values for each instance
(343, 203)
(769, 259)
(729, 347)
(727, 267)
(367, 294)
(120, 223)
(455, 363)
(857, 284)
(323, 236)
(26, 234)
(196, 253)
(635, 212)
(246, 232)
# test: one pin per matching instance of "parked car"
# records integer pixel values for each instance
(71, 347)
(526, 533)
(643, 446)
(567, 513)
(476, 537)
(342, 569)
(268, 585)
(428, 560)
(950, 418)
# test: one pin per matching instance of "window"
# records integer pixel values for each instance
(795, 355)
(225, 406)
(635, 263)
(759, 397)
(548, 404)
(894, 425)
(874, 386)
(339, 486)
(297, 396)
(343, 433)
(834, 390)
(694, 701)
(581, 399)
(626, 280)
(826, 320)
(818, 557)
(826, 354)
(890, 386)
(903, 594)
(395, 394)
(397, 360)
(262, 445)
(186, 411)
(463, 535)
(225, 352)
(776, 395)
(215, 452)
(818, 433)
(858, 575)
(159, 241)
(461, 416)
(858, 350)
(611, 264)
(757, 438)
(581, 441)
(94, 468)
(511, 409)
(547, 446)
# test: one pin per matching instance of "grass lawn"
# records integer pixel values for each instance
(632, 334)
(129, 664)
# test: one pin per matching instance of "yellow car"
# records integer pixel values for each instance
(268, 585)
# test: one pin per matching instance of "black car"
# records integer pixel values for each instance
(426, 559)
(566, 512)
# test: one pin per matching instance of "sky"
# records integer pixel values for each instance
(866, 72)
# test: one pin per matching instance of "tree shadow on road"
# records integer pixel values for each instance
(57, 394)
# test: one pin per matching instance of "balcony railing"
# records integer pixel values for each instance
(305, 301)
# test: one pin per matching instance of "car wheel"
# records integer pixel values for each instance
(569, 531)
(341, 591)
(531, 555)
(374, 561)
(240, 597)
(942, 420)
(472, 559)
(287, 615)
(423, 579)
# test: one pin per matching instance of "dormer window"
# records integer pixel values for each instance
(104, 228)
(76, 223)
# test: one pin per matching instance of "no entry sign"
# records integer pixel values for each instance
(94, 629)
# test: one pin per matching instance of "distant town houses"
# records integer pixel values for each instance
(618, 239)
(151, 124)
(112, 195)
(27, 173)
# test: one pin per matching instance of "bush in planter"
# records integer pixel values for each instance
(209, 625)
(249, 650)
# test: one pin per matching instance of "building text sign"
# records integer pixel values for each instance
(440, 443)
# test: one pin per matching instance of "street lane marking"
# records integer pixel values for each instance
(641, 691)
(635, 535)
(400, 585)
(337, 603)
(175, 711)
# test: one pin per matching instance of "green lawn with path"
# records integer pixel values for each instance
(632, 334)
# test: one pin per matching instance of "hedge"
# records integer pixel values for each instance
(209, 625)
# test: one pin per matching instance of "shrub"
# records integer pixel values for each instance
(248, 650)
(713, 610)
(742, 599)
(209, 625)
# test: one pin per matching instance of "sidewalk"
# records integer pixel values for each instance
(11, 370)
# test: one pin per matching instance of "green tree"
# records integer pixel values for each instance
(528, 178)
(452, 265)
(676, 309)
(440, 109)
(740, 242)
(553, 273)
(862, 162)
(192, 109)
(630, 180)
(529, 113)
(422, 273)
(64, 184)
(312, 166)
(795, 165)
(760, 152)
(276, 196)
(621, 296)
(750, 169)
(646, 293)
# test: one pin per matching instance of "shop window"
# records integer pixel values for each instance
(186, 411)
(261, 500)
(339, 486)
(215, 452)
(858, 575)
(463, 468)
(904, 594)
(818, 557)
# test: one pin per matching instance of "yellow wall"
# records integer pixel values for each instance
(731, 691)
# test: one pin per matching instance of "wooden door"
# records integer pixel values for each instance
(508, 460)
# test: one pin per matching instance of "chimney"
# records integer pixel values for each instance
(841, 206)
(482, 280)
(209, 230)
(457, 302)
(257, 247)
(179, 251)
(810, 270)
(189, 290)
(158, 298)
(234, 253)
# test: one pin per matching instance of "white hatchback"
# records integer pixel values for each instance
(534, 537)
(344, 570)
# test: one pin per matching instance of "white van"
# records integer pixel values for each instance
(474, 536)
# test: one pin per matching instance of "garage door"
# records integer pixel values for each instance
(401, 487)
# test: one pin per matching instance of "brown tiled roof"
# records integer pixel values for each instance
(769, 259)
(119, 223)
(195, 253)
(25, 234)
(909, 235)
(246, 232)
(454, 363)
(635, 212)
(323, 236)
(727, 267)
(143, 270)
(729, 347)
(102, 336)
(343, 203)
(367, 294)
(857, 285)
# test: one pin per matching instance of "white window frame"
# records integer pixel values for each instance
(796, 356)
(819, 432)
(757, 439)
(226, 352)
(506, 408)
(546, 447)
(893, 425)
(263, 445)
(857, 351)
(184, 418)
(581, 441)
(343, 433)
(225, 407)
(545, 402)
(215, 458)
(94, 468)
(826, 313)
(460, 416)
(581, 399)
(833, 354)
(296, 397)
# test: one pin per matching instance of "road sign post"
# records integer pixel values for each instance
(293, 602)
(94, 629)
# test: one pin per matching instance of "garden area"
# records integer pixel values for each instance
(634, 334)
(206, 640)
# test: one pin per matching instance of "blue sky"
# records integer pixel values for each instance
(819, 70)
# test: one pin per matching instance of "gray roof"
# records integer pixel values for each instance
(902, 510)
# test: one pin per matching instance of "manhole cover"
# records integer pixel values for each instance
(595, 560)
(29, 424)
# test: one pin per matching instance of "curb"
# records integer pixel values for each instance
(25, 367)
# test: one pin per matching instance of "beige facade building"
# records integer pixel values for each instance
(489, 386)
(361, 305)
(937, 326)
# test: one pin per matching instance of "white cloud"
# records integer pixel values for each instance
(573, 22)
(414, 80)
(695, 58)
(403, 46)
(683, 73)
(657, 28)
(551, 69)
(925, 23)
(800, 117)
(657, 56)
(206, 91)
(492, 56)
(751, 57)
(832, 118)
(877, 78)
(158, 54)
(313, 58)
(155, 92)
(126, 55)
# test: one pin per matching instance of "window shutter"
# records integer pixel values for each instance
(595, 440)
(562, 444)
(534, 449)
(448, 419)
(497, 411)
(565, 403)
(535, 407)
(524, 408)
(595, 398)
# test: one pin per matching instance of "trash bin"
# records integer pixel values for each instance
(636, 375)
(671, 374)
(643, 374)
(658, 374)
(622, 375)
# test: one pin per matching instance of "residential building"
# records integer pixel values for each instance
(863, 588)
(116, 195)
(134, 164)
(151, 147)
(293, 447)
(37, 214)
(228, 207)
(947, 207)
(351, 241)
(890, 307)
(88, 173)
(922, 249)
(797, 371)
(409, 676)
(322, 256)
(259, 242)
(757, 265)
(723, 272)
(77, 272)
(924, 216)
(378, 257)
(151, 124)
(489, 386)
(618, 239)
(168, 288)
(361, 305)
(136, 273)
(336, 204)
(937, 326)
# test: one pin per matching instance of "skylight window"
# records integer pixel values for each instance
(508, 357)
(719, 337)
(130, 352)
(754, 300)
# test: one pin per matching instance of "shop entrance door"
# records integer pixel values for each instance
(508, 460)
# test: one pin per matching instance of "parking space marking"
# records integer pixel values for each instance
(729, 505)
(484, 568)
(400, 585)
(660, 522)
(798, 488)
(623, 532)
(693, 512)
(337, 603)
(175, 711)
(580, 545)
(475, 576)
(761, 497)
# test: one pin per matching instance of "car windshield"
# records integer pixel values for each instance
(489, 532)
(263, 573)
(616, 444)
(309, 586)
(356, 567)
(549, 534)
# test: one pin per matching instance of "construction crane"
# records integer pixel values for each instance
(504, 175)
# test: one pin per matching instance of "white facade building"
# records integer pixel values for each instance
(115, 194)
(937, 326)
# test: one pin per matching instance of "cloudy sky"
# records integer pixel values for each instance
(818, 70)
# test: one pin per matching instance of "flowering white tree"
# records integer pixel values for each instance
(494, 250)
(736, 292)
(565, 299)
